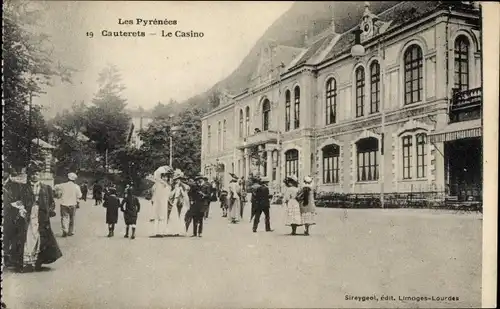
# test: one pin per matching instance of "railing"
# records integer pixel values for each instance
(428, 200)
(259, 138)
(466, 105)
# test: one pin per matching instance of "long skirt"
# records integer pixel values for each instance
(293, 216)
(234, 210)
(308, 218)
(32, 244)
(175, 222)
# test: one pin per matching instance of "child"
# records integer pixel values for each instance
(111, 203)
(132, 208)
(223, 202)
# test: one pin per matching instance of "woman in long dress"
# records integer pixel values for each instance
(293, 216)
(176, 214)
(307, 205)
(160, 200)
(234, 201)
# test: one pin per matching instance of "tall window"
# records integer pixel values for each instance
(374, 87)
(224, 131)
(219, 136)
(241, 123)
(331, 101)
(266, 112)
(407, 151)
(360, 91)
(462, 63)
(247, 121)
(413, 74)
(209, 135)
(292, 162)
(275, 159)
(287, 110)
(414, 156)
(331, 154)
(296, 107)
(264, 163)
(421, 155)
(367, 151)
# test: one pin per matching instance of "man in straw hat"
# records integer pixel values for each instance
(70, 193)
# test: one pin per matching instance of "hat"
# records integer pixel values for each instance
(178, 174)
(292, 178)
(233, 175)
(308, 180)
(200, 177)
(72, 176)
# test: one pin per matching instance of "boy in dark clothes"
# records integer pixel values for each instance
(112, 204)
(132, 208)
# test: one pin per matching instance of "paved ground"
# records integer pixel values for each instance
(350, 253)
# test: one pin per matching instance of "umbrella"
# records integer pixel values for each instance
(161, 170)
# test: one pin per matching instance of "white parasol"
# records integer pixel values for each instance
(161, 170)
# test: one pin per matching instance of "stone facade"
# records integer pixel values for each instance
(311, 69)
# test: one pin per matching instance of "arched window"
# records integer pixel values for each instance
(421, 155)
(224, 131)
(331, 101)
(331, 154)
(241, 123)
(367, 152)
(247, 121)
(266, 113)
(414, 155)
(296, 107)
(462, 63)
(209, 135)
(287, 110)
(360, 91)
(374, 87)
(407, 156)
(413, 66)
(292, 162)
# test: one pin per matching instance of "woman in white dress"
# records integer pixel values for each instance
(177, 208)
(234, 201)
(293, 215)
(161, 195)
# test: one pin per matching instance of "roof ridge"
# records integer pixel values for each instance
(381, 13)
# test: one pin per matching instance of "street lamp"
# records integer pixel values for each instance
(357, 52)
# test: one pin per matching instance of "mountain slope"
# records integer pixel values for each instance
(290, 29)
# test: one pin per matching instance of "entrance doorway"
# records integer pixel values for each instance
(463, 163)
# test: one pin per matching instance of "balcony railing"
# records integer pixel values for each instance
(466, 105)
(259, 138)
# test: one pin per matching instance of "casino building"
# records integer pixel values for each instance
(392, 105)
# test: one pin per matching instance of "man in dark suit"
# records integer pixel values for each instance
(200, 194)
(261, 204)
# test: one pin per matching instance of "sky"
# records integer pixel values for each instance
(153, 68)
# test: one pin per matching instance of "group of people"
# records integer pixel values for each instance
(299, 202)
(178, 202)
(27, 234)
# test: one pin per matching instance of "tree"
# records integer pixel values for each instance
(28, 67)
(186, 142)
(214, 98)
(106, 122)
(257, 158)
(74, 151)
